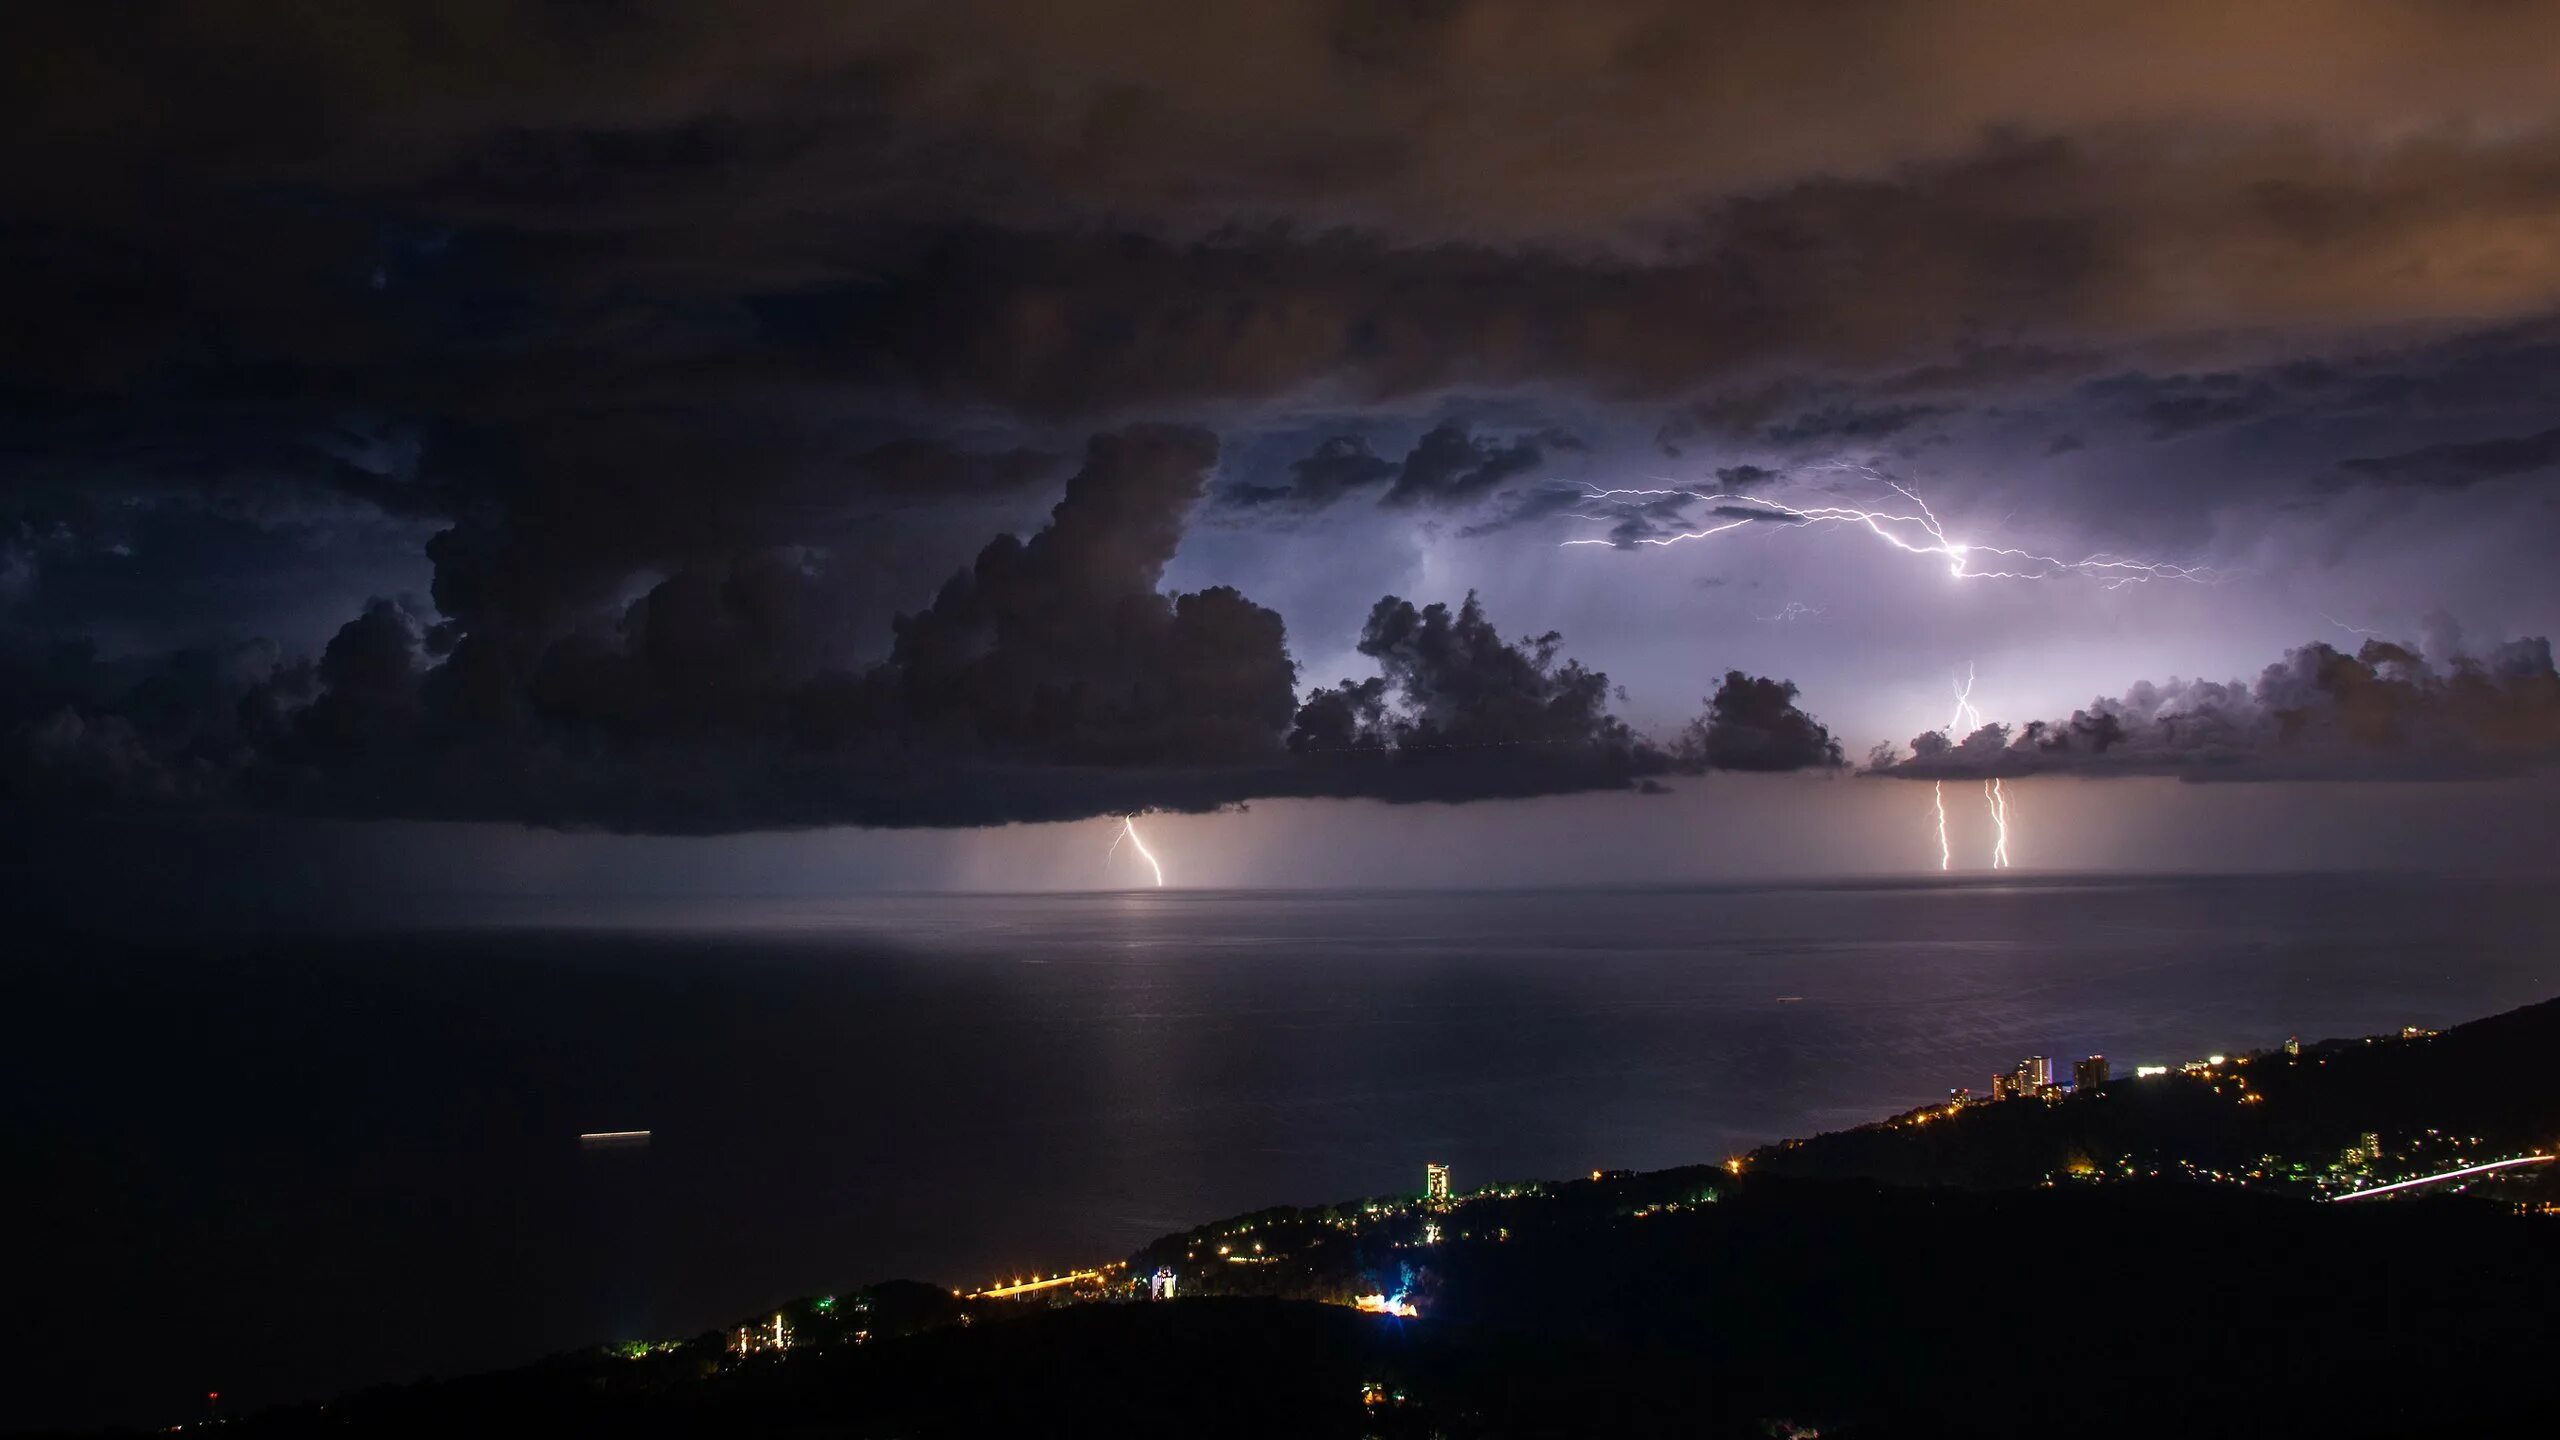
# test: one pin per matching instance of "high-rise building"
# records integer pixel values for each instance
(2034, 1073)
(2004, 1086)
(1435, 1183)
(2088, 1072)
(2293, 1044)
(1161, 1287)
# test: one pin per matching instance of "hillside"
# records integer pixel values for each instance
(2486, 1089)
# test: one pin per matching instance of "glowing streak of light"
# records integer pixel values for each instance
(1999, 824)
(2343, 625)
(1129, 832)
(1946, 856)
(1792, 610)
(2447, 1175)
(1966, 719)
(1917, 534)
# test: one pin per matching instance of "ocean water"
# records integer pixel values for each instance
(280, 1167)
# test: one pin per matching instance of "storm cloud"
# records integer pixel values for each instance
(2466, 462)
(2382, 713)
(1049, 680)
(654, 372)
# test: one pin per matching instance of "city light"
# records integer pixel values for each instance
(1383, 1305)
(1027, 1286)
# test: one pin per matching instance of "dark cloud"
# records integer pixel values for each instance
(2454, 465)
(2383, 713)
(1061, 651)
(2499, 371)
(1049, 680)
(1745, 477)
(1632, 522)
(703, 344)
(1458, 711)
(1449, 467)
(938, 470)
(1753, 723)
(1852, 423)
(1530, 507)
(1340, 466)
(1976, 369)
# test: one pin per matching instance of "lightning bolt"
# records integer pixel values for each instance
(1999, 824)
(1129, 832)
(1946, 856)
(1914, 533)
(1792, 610)
(1966, 718)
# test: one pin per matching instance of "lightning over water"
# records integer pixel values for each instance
(1999, 824)
(1946, 856)
(1129, 832)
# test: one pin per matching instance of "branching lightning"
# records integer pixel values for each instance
(1915, 533)
(1129, 832)
(1946, 856)
(1966, 718)
(1999, 824)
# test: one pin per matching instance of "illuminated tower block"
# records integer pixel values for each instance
(1435, 1183)
(1161, 1287)
(2092, 1071)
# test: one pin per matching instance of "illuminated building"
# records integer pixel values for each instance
(774, 1337)
(2033, 1077)
(2293, 1044)
(2088, 1072)
(2145, 1072)
(1161, 1287)
(1435, 1183)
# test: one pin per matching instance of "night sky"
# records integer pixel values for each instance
(624, 450)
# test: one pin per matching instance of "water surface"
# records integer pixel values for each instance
(282, 1167)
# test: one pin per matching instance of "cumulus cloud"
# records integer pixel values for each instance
(2384, 712)
(657, 322)
(1050, 679)
(1754, 723)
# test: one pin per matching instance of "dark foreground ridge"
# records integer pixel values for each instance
(2192, 1253)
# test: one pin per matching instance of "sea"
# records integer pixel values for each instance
(274, 1167)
